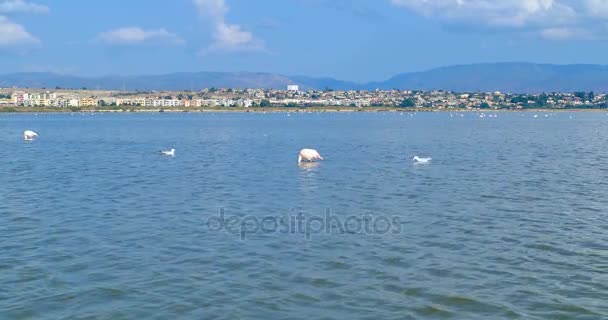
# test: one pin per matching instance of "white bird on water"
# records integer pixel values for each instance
(170, 153)
(417, 159)
(29, 135)
(309, 155)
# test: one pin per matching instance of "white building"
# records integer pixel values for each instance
(244, 103)
(165, 103)
(293, 87)
(193, 103)
(52, 103)
(19, 97)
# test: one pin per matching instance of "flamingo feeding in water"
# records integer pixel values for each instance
(29, 135)
(309, 155)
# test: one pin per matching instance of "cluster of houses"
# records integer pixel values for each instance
(184, 102)
(293, 97)
(49, 99)
(91, 99)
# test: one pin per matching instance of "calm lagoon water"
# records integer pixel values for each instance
(508, 221)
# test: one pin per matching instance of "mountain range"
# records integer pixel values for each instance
(487, 77)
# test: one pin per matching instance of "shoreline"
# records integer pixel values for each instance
(13, 110)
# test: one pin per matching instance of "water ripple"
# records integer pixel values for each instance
(508, 222)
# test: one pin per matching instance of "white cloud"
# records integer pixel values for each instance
(226, 37)
(231, 37)
(550, 19)
(20, 6)
(13, 34)
(136, 35)
(498, 14)
(597, 8)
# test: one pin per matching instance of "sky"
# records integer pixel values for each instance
(357, 40)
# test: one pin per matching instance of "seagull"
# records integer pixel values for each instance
(309, 155)
(29, 135)
(170, 153)
(421, 160)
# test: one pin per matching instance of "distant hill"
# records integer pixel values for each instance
(172, 81)
(506, 77)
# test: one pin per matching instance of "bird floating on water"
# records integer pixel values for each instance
(418, 159)
(170, 153)
(29, 135)
(309, 155)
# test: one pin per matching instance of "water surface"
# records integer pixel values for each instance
(508, 221)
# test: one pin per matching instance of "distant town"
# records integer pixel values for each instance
(14, 99)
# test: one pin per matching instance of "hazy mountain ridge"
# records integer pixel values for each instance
(506, 77)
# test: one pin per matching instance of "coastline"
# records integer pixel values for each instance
(281, 110)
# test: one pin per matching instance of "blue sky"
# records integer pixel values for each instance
(358, 40)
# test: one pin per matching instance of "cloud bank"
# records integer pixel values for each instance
(552, 19)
